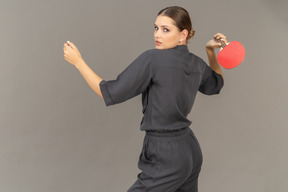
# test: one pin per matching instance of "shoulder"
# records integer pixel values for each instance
(197, 58)
(156, 51)
(164, 53)
(152, 54)
(160, 54)
(149, 52)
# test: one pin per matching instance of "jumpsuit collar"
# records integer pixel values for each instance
(181, 48)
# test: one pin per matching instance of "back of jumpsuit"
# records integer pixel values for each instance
(169, 80)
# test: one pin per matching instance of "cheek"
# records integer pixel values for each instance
(170, 38)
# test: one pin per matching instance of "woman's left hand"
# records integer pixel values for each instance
(72, 54)
(215, 43)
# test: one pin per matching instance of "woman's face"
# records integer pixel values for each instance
(166, 34)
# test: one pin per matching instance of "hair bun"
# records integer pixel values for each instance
(191, 34)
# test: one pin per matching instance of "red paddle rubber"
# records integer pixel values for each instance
(231, 55)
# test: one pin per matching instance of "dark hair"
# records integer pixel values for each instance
(181, 18)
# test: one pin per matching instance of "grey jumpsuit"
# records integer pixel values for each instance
(168, 80)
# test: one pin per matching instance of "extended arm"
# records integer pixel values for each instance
(132, 81)
(90, 77)
(73, 56)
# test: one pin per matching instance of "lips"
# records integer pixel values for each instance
(158, 43)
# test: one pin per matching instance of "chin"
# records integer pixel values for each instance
(159, 47)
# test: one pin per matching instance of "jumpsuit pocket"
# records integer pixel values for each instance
(148, 158)
(144, 103)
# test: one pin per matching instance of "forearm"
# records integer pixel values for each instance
(90, 77)
(213, 61)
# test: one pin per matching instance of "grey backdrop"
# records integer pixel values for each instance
(57, 135)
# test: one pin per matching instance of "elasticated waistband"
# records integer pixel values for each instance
(168, 135)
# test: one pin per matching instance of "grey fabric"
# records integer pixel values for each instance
(170, 162)
(169, 80)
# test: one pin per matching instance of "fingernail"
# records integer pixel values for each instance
(68, 41)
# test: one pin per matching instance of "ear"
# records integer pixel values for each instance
(184, 34)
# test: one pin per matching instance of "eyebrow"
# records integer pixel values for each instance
(162, 25)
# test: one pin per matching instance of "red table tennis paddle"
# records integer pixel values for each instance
(231, 55)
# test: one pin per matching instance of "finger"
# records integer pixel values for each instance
(219, 36)
(75, 48)
(222, 36)
(66, 51)
(64, 47)
(216, 35)
(69, 49)
(224, 40)
(68, 45)
(71, 44)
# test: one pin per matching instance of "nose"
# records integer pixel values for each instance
(156, 34)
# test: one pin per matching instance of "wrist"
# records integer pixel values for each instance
(80, 63)
(208, 46)
(209, 49)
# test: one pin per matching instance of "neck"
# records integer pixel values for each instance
(182, 43)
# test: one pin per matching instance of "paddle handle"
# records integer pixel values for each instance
(223, 44)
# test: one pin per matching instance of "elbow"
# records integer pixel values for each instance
(100, 95)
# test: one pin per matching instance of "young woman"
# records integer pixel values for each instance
(168, 77)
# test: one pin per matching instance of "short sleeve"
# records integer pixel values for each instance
(212, 82)
(130, 82)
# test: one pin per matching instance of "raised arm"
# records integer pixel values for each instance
(210, 46)
(73, 56)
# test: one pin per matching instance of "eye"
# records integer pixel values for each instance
(156, 28)
(166, 30)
